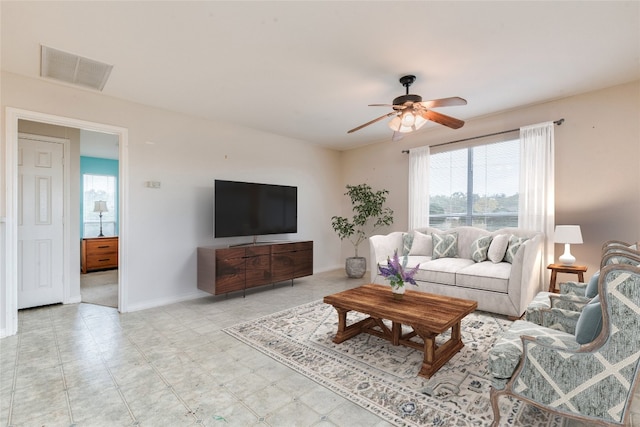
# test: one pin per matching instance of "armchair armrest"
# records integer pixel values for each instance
(560, 320)
(575, 288)
(568, 301)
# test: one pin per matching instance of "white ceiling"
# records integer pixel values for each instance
(307, 70)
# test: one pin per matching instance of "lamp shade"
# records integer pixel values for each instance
(100, 206)
(568, 234)
(407, 122)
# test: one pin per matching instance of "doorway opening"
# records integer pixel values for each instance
(72, 237)
(99, 207)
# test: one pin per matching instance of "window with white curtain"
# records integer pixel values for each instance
(475, 186)
(99, 188)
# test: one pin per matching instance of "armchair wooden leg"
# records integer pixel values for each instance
(495, 396)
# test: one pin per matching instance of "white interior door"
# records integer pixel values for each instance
(40, 222)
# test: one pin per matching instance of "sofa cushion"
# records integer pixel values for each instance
(514, 244)
(485, 276)
(592, 287)
(413, 260)
(589, 323)
(444, 245)
(407, 241)
(498, 247)
(422, 244)
(442, 270)
(480, 248)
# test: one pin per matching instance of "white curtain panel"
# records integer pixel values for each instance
(537, 206)
(419, 187)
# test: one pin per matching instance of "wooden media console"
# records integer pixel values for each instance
(228, 269)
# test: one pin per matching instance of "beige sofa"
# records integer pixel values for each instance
(503, 284)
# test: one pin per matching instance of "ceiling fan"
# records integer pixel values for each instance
(411, 113)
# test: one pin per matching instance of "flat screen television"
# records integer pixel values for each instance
(252, 209)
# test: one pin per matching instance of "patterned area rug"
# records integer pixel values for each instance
(383, 378)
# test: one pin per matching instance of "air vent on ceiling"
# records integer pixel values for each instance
(73, 69)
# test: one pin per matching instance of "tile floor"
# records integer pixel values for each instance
(88, 365)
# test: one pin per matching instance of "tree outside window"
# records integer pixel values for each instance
(476, 186)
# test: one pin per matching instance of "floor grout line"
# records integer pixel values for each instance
(164, 380)
(113, 378)
(61, 365)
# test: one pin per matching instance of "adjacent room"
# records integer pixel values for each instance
(320, 213)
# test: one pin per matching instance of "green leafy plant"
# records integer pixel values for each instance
(368, 214)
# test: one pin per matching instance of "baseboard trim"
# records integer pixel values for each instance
(74, 300)
(159, 302)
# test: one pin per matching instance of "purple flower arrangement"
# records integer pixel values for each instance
(397, 273)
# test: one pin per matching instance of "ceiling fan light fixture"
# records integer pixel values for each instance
(420, 121)
(408, 119)
(403, 124)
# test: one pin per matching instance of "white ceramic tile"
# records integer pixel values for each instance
(301, 414)
(163, 366)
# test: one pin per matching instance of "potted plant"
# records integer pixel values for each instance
(368, 215)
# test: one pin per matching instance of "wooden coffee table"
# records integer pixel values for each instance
(428, 315)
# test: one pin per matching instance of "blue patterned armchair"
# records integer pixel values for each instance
(574, 296)
(592, 382)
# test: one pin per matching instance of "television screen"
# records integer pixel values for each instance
(251, 209)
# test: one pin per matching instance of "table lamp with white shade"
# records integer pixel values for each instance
(567, 234)
(100, 206)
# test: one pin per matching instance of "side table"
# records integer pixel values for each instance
(559, 268)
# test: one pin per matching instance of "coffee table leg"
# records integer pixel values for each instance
(349, 331)
(434, 356)
(455, 332)
(396, 331)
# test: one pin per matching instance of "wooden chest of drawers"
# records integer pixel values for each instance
(99, 253)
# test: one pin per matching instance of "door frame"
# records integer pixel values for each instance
(12, 116)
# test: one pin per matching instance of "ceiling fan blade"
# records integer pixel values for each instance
(444, 102)
(394, 106)
(443, 119)
(373, 121)
(397, 136)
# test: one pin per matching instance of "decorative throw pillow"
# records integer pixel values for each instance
(480, 248)
(592, 286)
(407, 241)
(589, 323)
(514, 244)
(498, 247)
(422, 244)
(445, 245)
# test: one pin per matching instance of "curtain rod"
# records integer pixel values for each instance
(557, 122)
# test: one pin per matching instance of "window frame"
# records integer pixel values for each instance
(110, 219)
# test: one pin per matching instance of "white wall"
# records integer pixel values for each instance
(186, 154)
(597, 164)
